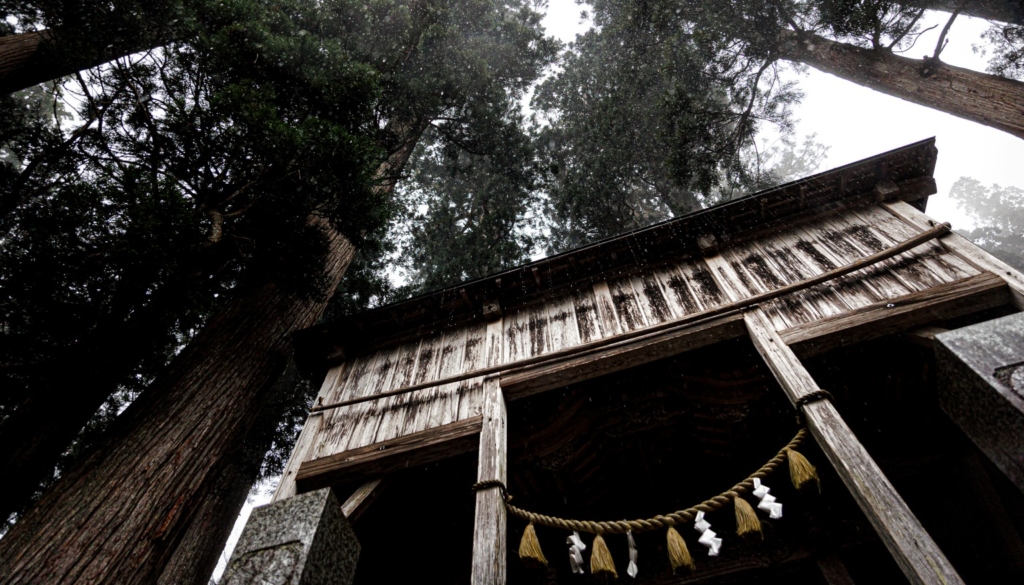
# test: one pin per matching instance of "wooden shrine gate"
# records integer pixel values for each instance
(832, 261)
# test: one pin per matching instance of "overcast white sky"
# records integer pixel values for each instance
(855, 122)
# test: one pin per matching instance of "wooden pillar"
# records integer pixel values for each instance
(490, 522)
(912, 548)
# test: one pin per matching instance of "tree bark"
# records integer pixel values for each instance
(114, 518)
(197, 552)
(118, 516)
(36, 57)
(71, 387)
(979, 97)
(1009, 11)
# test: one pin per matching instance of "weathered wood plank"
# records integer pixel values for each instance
(912, 548)
(588, 319)
(815, 302)
(945, 301)
(368, 419)
(393, 409)
(489, 529)
(749, 277)
(651, 298)
(848, 292)
(335, 425)
(859, 285)
(474, 357)
(606, 310)
(946, 266)
(539, 342)
(627, 305)
(678, 296)
(736, 285)
(417, 404)
(379, 459)
(547, 376)
(444, 400)
(361, 499)
(965, 249)
(562, 326)
(308, 436)
(906, 267)
(837, 243)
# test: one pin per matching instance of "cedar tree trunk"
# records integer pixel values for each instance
(979, 97)
(36, 57)
(117, 517)
(1011, 11)
(74, 386)
(196, 554)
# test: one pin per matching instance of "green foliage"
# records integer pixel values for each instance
(1007, 45)
(649, 119)
(998, 213)
(472, 211)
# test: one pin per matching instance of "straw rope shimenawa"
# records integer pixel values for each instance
(658, 522)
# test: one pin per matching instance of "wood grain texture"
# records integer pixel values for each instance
(361, 499)
(912, 548)
(965, 249)
(945, 301)
(307, 437)
(489, 528)
(358, 465)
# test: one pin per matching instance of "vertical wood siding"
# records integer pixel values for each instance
(610, 307)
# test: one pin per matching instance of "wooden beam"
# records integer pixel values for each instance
(833, 570)
(946, 301)
(963, 248)
(544, 377)
(912, 548)
(362, 464)
(361, 499)
(490, 521)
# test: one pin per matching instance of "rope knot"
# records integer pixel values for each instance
(493, 483)
(807, 399)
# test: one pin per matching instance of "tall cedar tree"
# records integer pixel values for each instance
(432, 61)
(646, 123)
(858, 40)
(474, 200)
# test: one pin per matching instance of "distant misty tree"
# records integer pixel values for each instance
(650, 118)
(998, 213)
(472, 205)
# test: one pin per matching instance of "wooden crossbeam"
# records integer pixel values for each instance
(490, 519)
(963, 248)
(544, 377)
(945, 301)
(359, 465)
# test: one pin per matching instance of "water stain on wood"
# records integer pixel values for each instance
(683, 295)
(656, 300)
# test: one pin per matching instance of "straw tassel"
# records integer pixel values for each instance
(601, 562)
(678, 554)
(801, 471)
(529, 549)
(746, 519)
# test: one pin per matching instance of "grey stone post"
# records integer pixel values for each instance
(981, 387)
(302, 540)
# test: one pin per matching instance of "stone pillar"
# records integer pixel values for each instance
(981, 387)
(302, 540)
